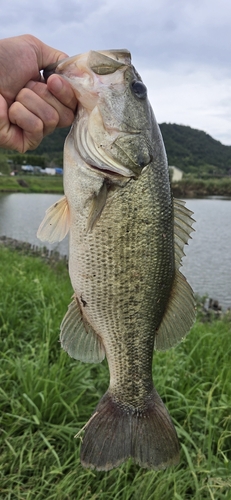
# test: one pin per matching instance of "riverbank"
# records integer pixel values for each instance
(200, 188)
(187, 188)
(47, 397)
(31, 184)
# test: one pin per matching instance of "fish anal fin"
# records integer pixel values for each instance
(179, 314)
(78, 338)
(116, 432)
(56, 222)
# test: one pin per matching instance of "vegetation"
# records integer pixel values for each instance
(48, 153)
(192, 188)
(32, 184)
(46, 397)
(195, 152)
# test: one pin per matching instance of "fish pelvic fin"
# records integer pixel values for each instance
(116, 432)
(56, 222)
(78, 338)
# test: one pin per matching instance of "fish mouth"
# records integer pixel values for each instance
(102, 62)
(101, 143)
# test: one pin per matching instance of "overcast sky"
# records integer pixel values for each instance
(181, 48)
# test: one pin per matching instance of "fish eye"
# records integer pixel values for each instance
(139, 89)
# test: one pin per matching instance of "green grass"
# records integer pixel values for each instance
(46, 397)
(35, 184)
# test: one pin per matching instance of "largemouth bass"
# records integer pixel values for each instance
(125, 249)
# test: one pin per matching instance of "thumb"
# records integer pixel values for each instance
(46, 54)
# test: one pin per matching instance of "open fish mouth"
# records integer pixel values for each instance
(103, 62)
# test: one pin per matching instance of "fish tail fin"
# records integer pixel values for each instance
(116, 432)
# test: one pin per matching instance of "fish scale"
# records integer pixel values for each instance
(115, 297)
(126, 243)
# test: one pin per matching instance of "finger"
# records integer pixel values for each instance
(64, 110)
(27, 128)
(10, 135)
(4, 122)
(13, 121)
(63, 91)
(40, 106)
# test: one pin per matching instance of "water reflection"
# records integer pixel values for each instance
(207, 264)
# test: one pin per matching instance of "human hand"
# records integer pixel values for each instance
(29, 108)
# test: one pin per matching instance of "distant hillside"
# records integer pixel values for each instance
(194, 151)
(189, 149)
(53, 144)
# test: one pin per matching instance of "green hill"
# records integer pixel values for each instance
(195, 152)
(192, 150)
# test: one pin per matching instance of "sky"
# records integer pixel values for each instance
(181, 48)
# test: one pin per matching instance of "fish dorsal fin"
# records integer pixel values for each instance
(180, 311)
(56, 222)
(182, 228)
(78, 338)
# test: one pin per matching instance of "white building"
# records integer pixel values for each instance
(176, 173)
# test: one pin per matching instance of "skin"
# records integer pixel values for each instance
(30, 109)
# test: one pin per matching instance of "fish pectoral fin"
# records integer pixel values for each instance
(78, 338)
(56, 222)
(179, 314)
(97, 206)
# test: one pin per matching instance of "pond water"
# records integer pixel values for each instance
(207, 264)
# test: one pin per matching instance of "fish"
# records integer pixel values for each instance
(126, 242)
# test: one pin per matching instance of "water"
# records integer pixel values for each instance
(207, 264)
(21, 214)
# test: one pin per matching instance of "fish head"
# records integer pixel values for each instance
(113, 129)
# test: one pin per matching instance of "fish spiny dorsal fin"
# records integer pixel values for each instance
(180, 311)
(56, 222)
(182, 228)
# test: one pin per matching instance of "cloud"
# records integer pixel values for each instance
(181, 48)
(194, 98)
